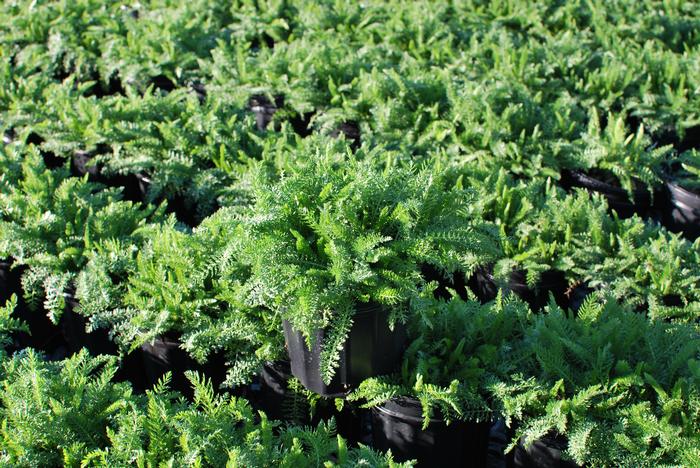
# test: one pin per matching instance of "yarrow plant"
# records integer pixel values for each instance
(340, 232)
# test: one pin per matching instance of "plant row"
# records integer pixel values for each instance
(337, 235)
(542, 90)
(459, 212)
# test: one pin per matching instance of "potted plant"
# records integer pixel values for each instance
(336, 249)
(623, 167)
(650, 268)
(585, 384)
(50, 221)
(548, 250)
(56, 412)
(437, 407)
(180, 297)
(220, 430)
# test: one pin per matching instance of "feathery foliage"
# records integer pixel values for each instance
(341, 232)
(458, 349)
(620, 388)
(55, 412)
(49, 221)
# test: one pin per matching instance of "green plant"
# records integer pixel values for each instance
(54, 413)
(566, 232)
(620, 388)
(340, 232)
(191, 285)
(70, 413)
(458, 348)
(637, 262)
(9, 324)
(162, 39)
(50, 220)
(687, 175)
(58, 38)
(650, 266)
(629, 158)
(219, 430)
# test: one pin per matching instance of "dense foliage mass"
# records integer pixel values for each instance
(199, 172)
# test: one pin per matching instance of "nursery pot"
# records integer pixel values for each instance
(164, 354)
(43, 334)
(8, 136)
(81, 164)
(351, 131)
(576, 295)
(398, 425)
(617, 197)
(551, 281)
(483, 284)
(371, 349)
(274, 397)
(546, 452)
(681, 210)
(273, 388)
(264, 109)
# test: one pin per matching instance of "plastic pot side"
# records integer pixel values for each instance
(484, 286)
(618, 198)
(397, 425)
(681, 211)
(164, 354)
(371, 349)
(546, 452)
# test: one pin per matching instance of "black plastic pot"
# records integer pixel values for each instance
(542, 453)
(8, 136)
(455, 282)
(484, 286)
(669, 136)
(552, 281)
(617, 197)
(51, 161)
(43, 334)
(397, 425)
(351, 131)
(163, 83)
(164, 354)
(264, 110)
(270, 392)
(576, 296)
(301, 123)
(681, 210)
(200, 90)
(371, 349)
(81, 164)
